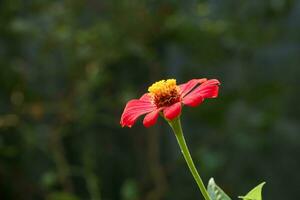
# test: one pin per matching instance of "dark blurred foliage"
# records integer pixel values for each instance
(68, 68)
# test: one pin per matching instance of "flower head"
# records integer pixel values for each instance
(164, 93)
(167, 97)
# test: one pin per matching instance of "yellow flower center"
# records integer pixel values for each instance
(164, 92)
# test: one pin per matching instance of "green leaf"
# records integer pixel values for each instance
(215, 192)
(254, 194)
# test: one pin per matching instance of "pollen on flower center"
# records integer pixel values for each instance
(164, 92)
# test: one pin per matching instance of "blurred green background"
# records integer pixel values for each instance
(68, 67)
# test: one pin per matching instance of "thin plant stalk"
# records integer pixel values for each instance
(176, 127)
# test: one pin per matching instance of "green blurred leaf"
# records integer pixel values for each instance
(215, 192)
(49, 179)
(129, 190)
(254, 194)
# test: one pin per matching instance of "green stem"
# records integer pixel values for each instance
(176, 127)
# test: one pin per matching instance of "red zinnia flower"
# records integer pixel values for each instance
(167, 98)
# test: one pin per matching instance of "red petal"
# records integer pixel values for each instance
(146, 97)
(188, 86)
(211, 82)
(151, 118)
(172, 111)
(208, 89)
(193, 100)
(135, 108)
